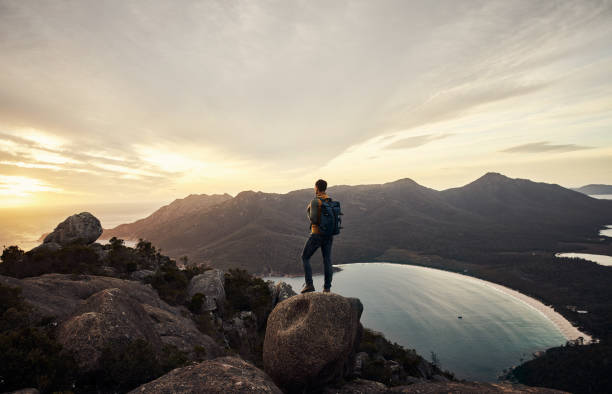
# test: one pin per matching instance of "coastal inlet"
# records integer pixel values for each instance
(419, 308)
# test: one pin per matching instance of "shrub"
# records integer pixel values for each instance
(170, 283)
(195, 305)
(124, 367)
(29, 355)
(244, 292)
(12, 255)
(380, 349)
(71, 259)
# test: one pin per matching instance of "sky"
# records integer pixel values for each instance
(142, 101)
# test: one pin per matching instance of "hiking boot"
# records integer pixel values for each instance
(307, 288)
(326, 291)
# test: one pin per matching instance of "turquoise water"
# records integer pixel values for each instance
(418, 308)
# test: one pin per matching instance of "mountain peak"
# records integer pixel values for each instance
(403, 180)
(493, 177)
(247, 194)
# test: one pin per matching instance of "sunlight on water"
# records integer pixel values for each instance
(25, 226)
(418, 308)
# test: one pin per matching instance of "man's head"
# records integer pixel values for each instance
(320, 186)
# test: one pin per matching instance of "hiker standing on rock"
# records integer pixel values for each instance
(324, 215)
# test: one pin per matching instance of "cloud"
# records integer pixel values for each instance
(23, 186)
(261, 81)
(278, 87)
(544, 146)
(415, 141)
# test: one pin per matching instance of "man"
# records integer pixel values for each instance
(317, 240)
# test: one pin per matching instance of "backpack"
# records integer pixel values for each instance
(330, 223)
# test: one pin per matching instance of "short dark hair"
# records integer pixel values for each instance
(321, 185)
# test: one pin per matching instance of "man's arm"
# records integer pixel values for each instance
(313, 211)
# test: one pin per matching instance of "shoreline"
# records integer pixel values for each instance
(567, 329)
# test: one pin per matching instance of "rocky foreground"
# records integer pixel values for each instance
(141, 324)
(311, 341)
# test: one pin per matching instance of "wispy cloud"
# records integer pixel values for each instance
(544, 146)
(415, 141)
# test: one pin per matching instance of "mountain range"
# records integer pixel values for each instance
(265, 232)
(594, 189)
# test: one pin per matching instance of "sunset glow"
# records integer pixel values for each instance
(106, 102)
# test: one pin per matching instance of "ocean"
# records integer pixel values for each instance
(23, 226)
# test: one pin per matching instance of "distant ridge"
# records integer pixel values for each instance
(594, 189)
(151, 226)
(265, 232)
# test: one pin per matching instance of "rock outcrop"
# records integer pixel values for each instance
(358, 386)
(241, 334)
(60, 295)
(223, 375)
(141, 275)
(82, 228)
(311, 340)
(211, 284)
(470, 388)
(93, 312)
(46, 247)
(109, 318)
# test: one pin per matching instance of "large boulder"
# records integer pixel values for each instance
(82, 228)
(211, 284)
(221, 375)
(109, 318)
(311, 340)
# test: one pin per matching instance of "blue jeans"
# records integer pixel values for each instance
(315, 242)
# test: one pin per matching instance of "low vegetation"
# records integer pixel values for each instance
(123, 368)
(380, 351)
(29, 354)
(244, 292)
(559, 366)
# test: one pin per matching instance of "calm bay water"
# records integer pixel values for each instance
(606, 232)
(418, 308)
(600, 259)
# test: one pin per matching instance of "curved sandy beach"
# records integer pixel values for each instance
(567, 329)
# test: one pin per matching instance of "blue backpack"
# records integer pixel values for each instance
(330, 217)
